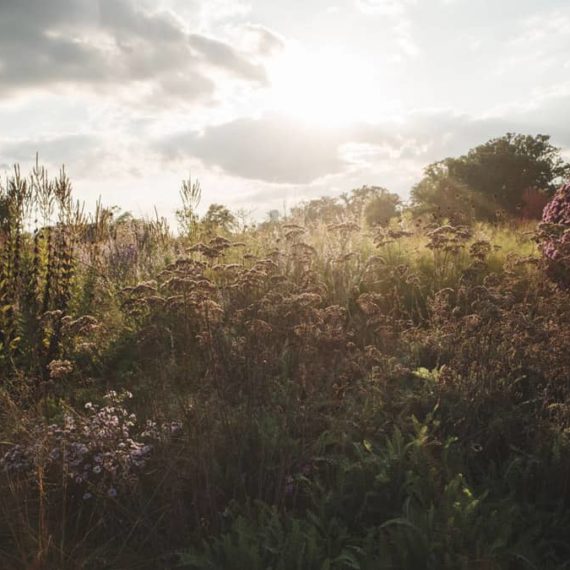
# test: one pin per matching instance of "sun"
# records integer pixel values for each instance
(326, 87)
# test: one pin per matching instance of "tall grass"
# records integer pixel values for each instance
(303, 396)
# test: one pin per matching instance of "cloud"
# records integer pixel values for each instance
(211, 13)
(108, 85)
(539, 44)
(86, 155)
(278, 150)
(272, 149)
(262, 40)
(384, 6)
(114, 45)
(220, 54)
(541, 111)
(256, 162)
(52, 149)
(402, 28)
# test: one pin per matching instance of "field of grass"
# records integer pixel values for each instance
(291, 396)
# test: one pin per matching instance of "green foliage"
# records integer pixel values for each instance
(322, 210)
(439, 196)
(399, 502)
(218, 218)
(374, 204)
(338, 394)
(269, 540)
(38, 270)
(59, 269)
(492, 178)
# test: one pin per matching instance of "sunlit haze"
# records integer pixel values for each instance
(271, 102)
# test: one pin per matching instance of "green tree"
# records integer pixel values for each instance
(492, 177)
(441, 196)
(375, 203)
(325, 209)
(218, 217)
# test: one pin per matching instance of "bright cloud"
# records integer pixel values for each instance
(267, 101)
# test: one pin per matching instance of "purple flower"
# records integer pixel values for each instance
(102, 448)
(554, 235)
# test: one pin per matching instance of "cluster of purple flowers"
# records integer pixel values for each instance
(555, 233)
(100, 451)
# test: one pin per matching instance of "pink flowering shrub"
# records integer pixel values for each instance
(100, 452)
(554, 235)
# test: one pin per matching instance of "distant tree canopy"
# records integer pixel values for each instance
(273, 216)
(514, 174)
(381, 207)
(373, 203)
(325, 209)
(218, 217)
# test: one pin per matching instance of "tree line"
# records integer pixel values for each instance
(510, 177)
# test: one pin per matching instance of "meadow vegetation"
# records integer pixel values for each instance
(355, 390)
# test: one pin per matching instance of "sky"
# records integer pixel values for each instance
(269, 102)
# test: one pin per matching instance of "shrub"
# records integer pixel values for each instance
(554, 235)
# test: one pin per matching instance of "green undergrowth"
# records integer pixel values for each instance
(290, 396)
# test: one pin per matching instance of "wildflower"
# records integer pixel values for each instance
(99, 448)
(554, 235)
(59, 369)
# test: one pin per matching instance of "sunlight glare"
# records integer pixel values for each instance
(327, 88)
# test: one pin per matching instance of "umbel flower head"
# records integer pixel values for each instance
(554, 235)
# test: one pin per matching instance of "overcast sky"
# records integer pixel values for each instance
(268, 102)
